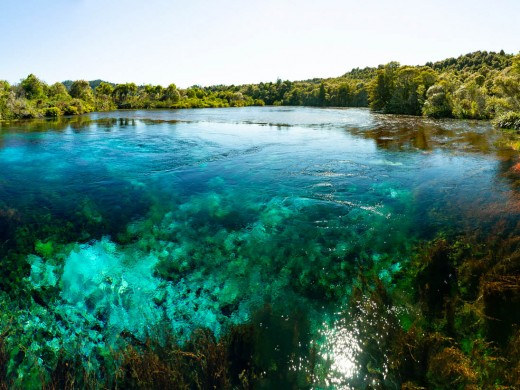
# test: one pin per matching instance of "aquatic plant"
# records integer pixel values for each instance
(4, 362)
(172, 273)
(471, 330)
(202, 363)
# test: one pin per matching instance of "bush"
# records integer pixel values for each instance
(76, 107)
(52, 112)
(508, 120)
(70, 110)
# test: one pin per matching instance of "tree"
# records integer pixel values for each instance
(5, 92)
(237, 100)
(58, 91)
(32, 87)
(172, 94)
(322, 96)
(344, 95)
(123, 94)
(438, 102)
(154, 92)
(103, 95)
(81, 89)
(507, 87)
(470, 102)
(409, 91)
(515, 65)
(104, 89)
(381, 87)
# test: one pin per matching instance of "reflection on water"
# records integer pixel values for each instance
(203, 218)
(342, 350)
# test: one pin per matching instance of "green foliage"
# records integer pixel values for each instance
(76, 107)
(103, 94)
(477, 85)
(400, 89)
(20, 108)
(506, 88)
(52, 112)
(410, 87)
(473, 62)
(438, 102)
(508, 120)
(104, 89)
(81, 90)
(5, 95)
(32, 88)
(171, 94)
(58, 91)
(124, 95)
(45, 249)
(381, 87)
(470, 101)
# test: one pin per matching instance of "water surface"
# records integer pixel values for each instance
(135, 221)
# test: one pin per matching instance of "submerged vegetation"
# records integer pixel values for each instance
(236, 284)
(479, 85)
(450, 321)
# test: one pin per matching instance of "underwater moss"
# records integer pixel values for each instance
(474, 326)
(4, 362)
(45, 249)
(450, 367)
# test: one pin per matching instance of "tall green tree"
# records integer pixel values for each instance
(322, 95)
(381, 87)
(470, 101)
(506, 88)
(124, 95)
(32, 88)
(80, 89)
(58, 91)
(171, 94)
(103, 97)
(5, 95)
(438, 102)
(104, 89)
(409, 90)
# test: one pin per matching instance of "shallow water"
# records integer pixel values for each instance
(140, 220)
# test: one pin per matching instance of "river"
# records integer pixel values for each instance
(145, 222)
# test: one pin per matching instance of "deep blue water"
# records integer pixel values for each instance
(201, 218)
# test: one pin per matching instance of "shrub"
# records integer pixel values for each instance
(508, 120)
(70, 110)
(52, 112)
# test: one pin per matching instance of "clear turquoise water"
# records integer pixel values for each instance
(200, 218)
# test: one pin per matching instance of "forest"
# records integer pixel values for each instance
(479, 85)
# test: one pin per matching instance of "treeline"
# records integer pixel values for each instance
(32, 98)
(479, 85)
(476, 91)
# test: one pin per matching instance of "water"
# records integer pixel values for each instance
(138, 221)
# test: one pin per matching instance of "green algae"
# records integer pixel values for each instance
(45, 249)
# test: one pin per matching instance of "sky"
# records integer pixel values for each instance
(208, 42)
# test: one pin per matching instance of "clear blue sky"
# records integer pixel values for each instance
(233, 42)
